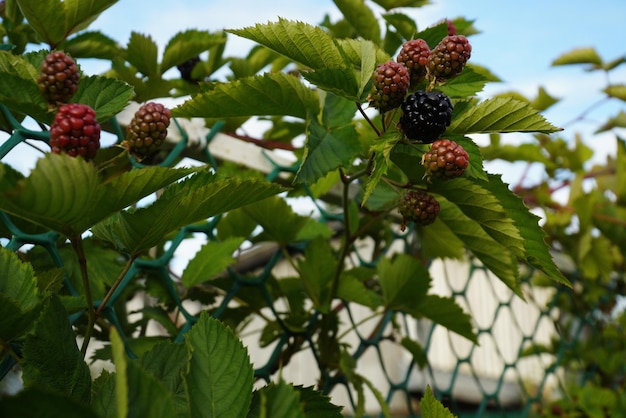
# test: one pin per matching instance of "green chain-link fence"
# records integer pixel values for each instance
(499, 377)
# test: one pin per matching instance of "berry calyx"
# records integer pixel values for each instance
(147, 130)
(414, 55)
(425, 116)
(449, 57)
(419, 207)
(58, 77)
(446, 159)
(390, 85)
(75, 131)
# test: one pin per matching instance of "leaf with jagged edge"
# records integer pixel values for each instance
(196, 199)
(65, 194)
(18, 87)
(446, 312)
(536, 250)
(332, 142)
(579, 56)
(479, 200)
(305, 44)
(54, 20)
(19, 296)
(432, 408)
(142, 53)
(382, 152)
(219, 376)
(276, 400)
(106, 96)
(268, 94)
(361, 17)
(92, 45)
(213, 258)
(500, 115)
(188, 44)
(403, 24)
(495, 256)
(466, 84)
(404, 281)
(51, 358)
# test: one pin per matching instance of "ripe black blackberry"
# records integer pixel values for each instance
(75, 131)
(147, 130)
(389, 86)
(414, 55)
(187, 67)
(449, 57)
(425, 116)
(419, 207)
(445, 160)
(58, 77)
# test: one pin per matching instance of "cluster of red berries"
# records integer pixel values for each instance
(425, 114)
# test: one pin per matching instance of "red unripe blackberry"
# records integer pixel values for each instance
(58, 77)
(75, 131)
(414, 55)
(425, 116)
(389, 86)
(147, 130)
(445, 160)
(419, 207)
(448, 58)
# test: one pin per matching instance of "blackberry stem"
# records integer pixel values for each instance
(77, 245)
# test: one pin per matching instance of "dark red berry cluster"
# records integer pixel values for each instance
(147, 130)
(58, 77)
(75, 131)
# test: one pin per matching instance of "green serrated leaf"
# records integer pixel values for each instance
(196, 199)
(617, 91)
(447, 313)
(361, 17)
(341, 81)
(500, 115)
(19, 282)
(142, 53)
(317, 405)
(213, 258)
(106, 96)
(304, 43)
(219, 376)
(18, 86)
(353, 49)
(402, 23)
(466, 84)
(495, 256)
(382, 154)
(188, 44)
(54, 20)
(579, 56)
(268, 94)
(278, 220)
(64, 193)
(432, 408)
(92, 45)
(536, 250)
(479, 200)
(278, 400)
(327, 149)
(438, 241)
(352, 289)
(404, 281)
(52, 361)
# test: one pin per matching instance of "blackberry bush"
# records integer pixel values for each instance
(425, 116)
(75, 131)
(390, 85)
(58, 77)
(445, 160)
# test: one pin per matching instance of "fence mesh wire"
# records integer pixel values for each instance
(499, 377)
